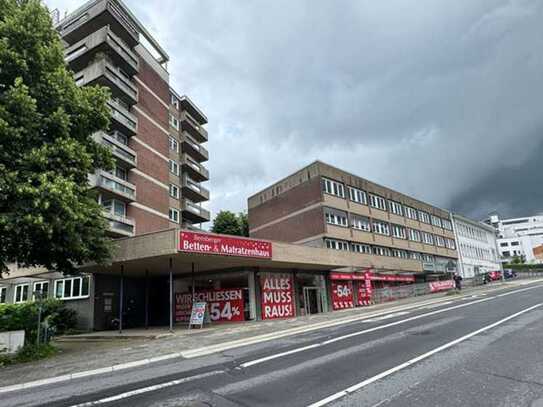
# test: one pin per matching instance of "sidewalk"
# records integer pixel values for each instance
(104, 349)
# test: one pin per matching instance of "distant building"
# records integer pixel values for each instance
(477, 247)
(520, 237)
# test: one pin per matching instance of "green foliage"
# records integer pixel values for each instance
(228, 223)
(518, 259)
(28, 353)
(48, 216)
(24, 316)
(524, 267)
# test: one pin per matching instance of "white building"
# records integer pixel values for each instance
(518, 237)
(477, 247)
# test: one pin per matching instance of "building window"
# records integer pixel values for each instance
(506, 254)
(361, 248)
(174, 167)
(395, 208)
(357, 195)
(446, 224)
(72, 288)
(414, 235)
(440, 241)
(174, 215)
(399, 232)
(378, 202)
(174, 191)
(515, 243)
(381, 228)
(504, 244)
(436, 221)
(333, 187)
(114, 206)
(21, 293)
(174, 122)
(335, 218)
(360, 223)
(336, 244)
(3, 295)
(424, 217)
(400, 253)
(42, 287)
(428, 258)
(411, 213)
(381, 251)
(174, 101)
(174, 145)
(415, 255)
(427, 238)
(451, 244)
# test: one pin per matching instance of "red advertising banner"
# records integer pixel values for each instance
(341, 276)
(225, 305)
(436, 286)
(365, 290)
(208, 243)
(342, 294)
(277, 296)
(392, 277)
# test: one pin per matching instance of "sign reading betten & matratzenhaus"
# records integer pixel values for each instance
(206, 243)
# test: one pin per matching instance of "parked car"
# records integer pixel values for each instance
(509, 273)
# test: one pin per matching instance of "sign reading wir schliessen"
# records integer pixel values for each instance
(194, 242)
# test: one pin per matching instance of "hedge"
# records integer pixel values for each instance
(24, 316)
(526, 267)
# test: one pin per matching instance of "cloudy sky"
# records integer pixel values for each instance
(442, 100)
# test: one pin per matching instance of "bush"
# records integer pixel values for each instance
(24, 316)
(28, 353)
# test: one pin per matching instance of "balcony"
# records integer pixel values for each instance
(104, 73)
(193, 148)
(112, 186)
(193, 212)
(186, 104)
(120, 226)
(193, 168)
(193, 190)
(121, 119)
(100, 43)
(120, 151)
(191, 126)
(85, 21)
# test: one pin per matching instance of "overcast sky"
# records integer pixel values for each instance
(441, 100)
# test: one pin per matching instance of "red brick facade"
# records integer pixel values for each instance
(147, 222)
(295, 228)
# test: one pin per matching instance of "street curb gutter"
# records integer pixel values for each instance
(222, 347)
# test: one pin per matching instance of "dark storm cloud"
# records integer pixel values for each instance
(431, 98)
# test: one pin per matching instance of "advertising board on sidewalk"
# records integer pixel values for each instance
(436, 286)
(277, 296)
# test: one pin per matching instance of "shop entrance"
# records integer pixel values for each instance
(312, 300)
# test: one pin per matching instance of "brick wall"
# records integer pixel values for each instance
(293, 200)
(301, 226)
(147, 222)
(150, 194)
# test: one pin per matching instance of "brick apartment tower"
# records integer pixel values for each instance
(155, 135)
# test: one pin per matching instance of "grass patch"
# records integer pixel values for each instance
(28, 353)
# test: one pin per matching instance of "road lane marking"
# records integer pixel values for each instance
(358, 333)
(395, 314)
(417, 359)
(148, 389)
(438, 305)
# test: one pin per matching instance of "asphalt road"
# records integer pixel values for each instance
(484, 350)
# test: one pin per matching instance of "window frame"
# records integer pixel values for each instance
(171, 218)
(340, 244)
(3, 295)
(378, 202)
(174, 187)
(174, 122)
(331, 187)
(395, 207)
(402, 235)
(336, 219)
(175, 165)
(40, 283)
(380, 227)
(424, 217)
(172, 142)
(72, 285)
(414, 232)
(357, 221)
(21, 300)
(410, 212)
(364, 248)
(362, 197)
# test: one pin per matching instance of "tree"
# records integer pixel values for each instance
(228, 223)
(48, 215)
(518, 259)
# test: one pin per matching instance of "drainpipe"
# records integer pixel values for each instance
(121, 300)
(171, 296)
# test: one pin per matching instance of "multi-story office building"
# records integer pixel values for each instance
(155, 135)
(477, 247)
(323, 206)
(521, 237)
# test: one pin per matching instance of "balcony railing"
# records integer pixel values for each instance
(115, 185)
(193, 148)
(120, 225)
(119, 150)
(105, 73)
(193, 190)
(195, 170)
(105, 12)
(190, 125)
(102, 41)
(122, 118)
(193, 212)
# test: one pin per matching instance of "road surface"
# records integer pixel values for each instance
(484, 350)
